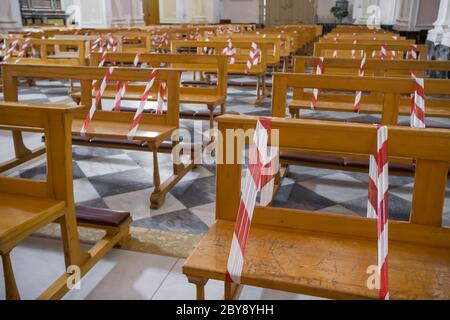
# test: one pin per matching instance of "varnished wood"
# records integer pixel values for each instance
(324, 254)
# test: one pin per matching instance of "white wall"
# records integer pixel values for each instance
(240, 11)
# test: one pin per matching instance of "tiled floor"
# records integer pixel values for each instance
(122, 180)
(120, 275)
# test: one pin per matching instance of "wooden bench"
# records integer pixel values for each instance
(50, 52)
(369, 41)
(212, 95)
(110, 129)
(28, 205)
(238, 68)
(435, 106)
(328, 255)
(344, 50)
(385, 102)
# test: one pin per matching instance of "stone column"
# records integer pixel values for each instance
(10, 17)
(111, 13)
(402, 23)
(441, 26)
(199, 11)
(417, 15)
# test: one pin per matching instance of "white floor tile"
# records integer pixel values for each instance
(138, 203)
(105, 165)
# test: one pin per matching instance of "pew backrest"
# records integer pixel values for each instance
(86, 75)
(386, 92)
(209, 63)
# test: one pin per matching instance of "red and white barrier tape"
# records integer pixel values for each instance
(268, 176)
(377, 207)
(383, 211)
(319, 72)
(97, 43)
(413, 53)
(122, 87)
(250, 188)
(383, 53)
(230, 51)
(137, 117)
(418, 104)
(23, 50)
(160, 98)
(361, 73)
(253, 58)
(97, 100)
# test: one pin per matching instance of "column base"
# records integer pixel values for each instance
(199, 20)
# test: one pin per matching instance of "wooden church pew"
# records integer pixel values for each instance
(386, 102)
(279, 47)
(238, 68)
(28, 205)
(436, 106)
(344, 50)
(328, 255)
(212, 96)
(49, 52)
(368, 41)
(109, 129)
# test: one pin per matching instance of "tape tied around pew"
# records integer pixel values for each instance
(361, 73)
(254, 57)
(418, 103)
(230, 51)
(377, 205)
(97, 100)
(320, 71)
(413, 53)
(11, 49)
(138, 115)
(260, 177)
(122, 86)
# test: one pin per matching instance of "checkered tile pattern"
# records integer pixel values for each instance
(122, 180)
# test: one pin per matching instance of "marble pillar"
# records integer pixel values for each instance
(199, 11)
(111, 13)
(10, 17)
(417, 15)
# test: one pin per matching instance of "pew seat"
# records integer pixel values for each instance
(18, 212)
(322, 264)
(119, 130)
